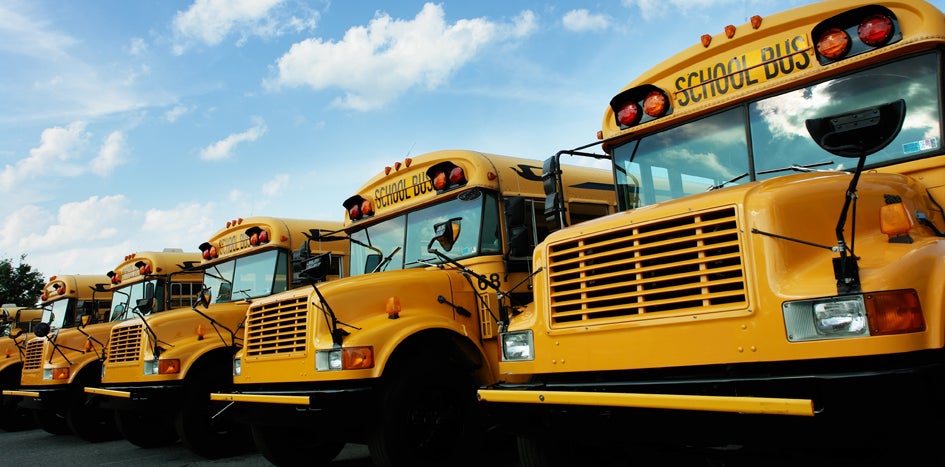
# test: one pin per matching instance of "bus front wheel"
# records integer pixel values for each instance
(280, 445)
(52, 422)
(424, 418)
(145, 430)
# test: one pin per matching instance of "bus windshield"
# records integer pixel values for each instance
(405, 238)
(256, 275)
(58, 314)
(126, 298)
(714, 152)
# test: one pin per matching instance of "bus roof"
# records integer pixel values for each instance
(761, 56)
(76, 286)
(137, 266)
(233, 240)
(409, 183)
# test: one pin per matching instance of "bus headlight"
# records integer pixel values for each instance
(151, 367)
(518, 346)
(237, 366)
(846, 317)
(827, 318)
(328, 360)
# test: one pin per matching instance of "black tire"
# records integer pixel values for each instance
(52, 422)
(85, 418)
(425, 417)
(145, 430)
(12, 416)
(283, 446)
(92, 424)
(538, 451)
(206, 437)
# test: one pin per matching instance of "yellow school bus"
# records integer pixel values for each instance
(776, 267)
(16, 328)
(440, 252)
(72, 357)
(160, 368)
(46, 372)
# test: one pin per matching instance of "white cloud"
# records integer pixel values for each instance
(582, 20)
(110, 155)
(224, 148)
(92, 236)
(184, 226)
(57, 150)
(75, 224)
(523, 25)
(137, 46)
(177, 112)
(275, 185)
(211, 21)
(23, 35)
(373, 65)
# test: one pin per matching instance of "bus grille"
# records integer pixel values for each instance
(125, 344)
(276, 328)
(682, 265)
(34, 354)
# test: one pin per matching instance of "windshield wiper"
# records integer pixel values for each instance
(386, 260)
(218, 277)
(800, 168)
(731, 180)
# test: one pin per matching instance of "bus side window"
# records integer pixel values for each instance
(525, 220)
(516, 221)
(183, 294)
(490, 236)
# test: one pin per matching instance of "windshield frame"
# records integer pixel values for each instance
(236, 279)
(405, 237)
(766, 137)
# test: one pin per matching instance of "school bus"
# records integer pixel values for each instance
(71, 360)
(47, 373)
(440, 249)
(160, 368)
(16, 328)
(777, 261)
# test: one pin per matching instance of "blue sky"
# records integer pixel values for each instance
(140, 125)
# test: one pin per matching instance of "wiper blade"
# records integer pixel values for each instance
(800, 168)
(731, 180)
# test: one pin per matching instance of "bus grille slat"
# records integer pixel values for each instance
(277, 328)
(124, 345)
(687, 264)
(34, 354)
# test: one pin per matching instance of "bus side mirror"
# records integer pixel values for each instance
(204, 297)
(41, 329)
(445, 233)
(554, 204)
(316, 268)
(861, 132)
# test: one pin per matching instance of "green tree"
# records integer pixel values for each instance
(19, 283)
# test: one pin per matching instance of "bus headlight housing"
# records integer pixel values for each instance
(347, 358)
(162, 366)
(518, 346)
(870, 314)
